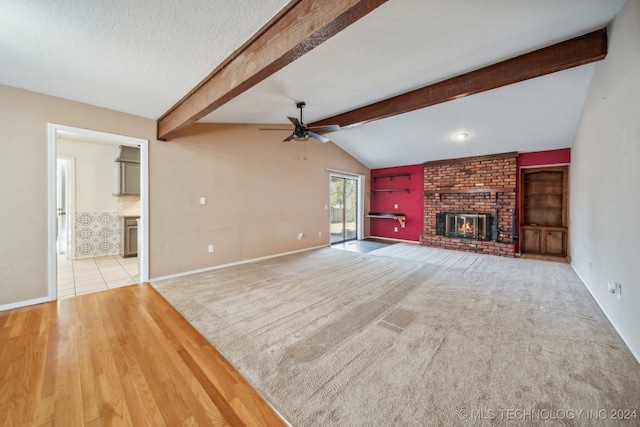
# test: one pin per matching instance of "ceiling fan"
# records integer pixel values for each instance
(302, 133)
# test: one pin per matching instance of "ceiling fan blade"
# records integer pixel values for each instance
(295, 121)
(328, 128)
(319, 137)
(274, 129)
(289, 138)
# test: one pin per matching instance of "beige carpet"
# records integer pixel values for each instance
(412, 336)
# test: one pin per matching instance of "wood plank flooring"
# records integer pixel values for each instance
(122, 357)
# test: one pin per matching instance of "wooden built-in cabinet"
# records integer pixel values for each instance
(544, 240)
(543, 211)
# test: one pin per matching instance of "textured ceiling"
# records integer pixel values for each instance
(142, 57)
(139, 57)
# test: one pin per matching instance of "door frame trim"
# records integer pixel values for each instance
(52, 142)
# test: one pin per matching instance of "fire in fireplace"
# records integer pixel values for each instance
(465, 225)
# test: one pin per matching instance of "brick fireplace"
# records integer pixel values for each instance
(470, 188)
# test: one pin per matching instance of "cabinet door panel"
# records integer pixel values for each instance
(132, 240)
(531, 240)
(554, 242)
(129, 178)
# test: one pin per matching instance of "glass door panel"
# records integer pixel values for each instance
(350, 209)
(344, 209)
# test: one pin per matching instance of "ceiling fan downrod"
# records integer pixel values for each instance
(300, 106)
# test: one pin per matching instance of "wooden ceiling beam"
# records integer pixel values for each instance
(298, 28)
(571, 53)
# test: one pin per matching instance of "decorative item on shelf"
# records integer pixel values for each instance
(399, 216)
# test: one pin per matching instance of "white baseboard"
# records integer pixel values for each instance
(25, 303)
(624, 339)
(246, 261)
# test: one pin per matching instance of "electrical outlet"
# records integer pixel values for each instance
(299, 236)
(203, 200)
(210, 248)
(395, 229)
(395, 206)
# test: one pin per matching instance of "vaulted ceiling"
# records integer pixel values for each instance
(143, 57)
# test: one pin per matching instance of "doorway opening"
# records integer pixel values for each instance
(344, 209)
(71, 234)
(65, 178)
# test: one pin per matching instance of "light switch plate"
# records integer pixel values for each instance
(203, 200)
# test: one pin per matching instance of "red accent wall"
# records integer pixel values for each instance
(410, 204)
(537, 159)
(545, 158)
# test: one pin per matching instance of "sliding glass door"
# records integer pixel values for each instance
(344, 209)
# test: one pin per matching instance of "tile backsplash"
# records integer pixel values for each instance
(128, 206)
(97, 234)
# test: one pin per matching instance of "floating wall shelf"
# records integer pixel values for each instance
(400, 217)
(375, 178)
(390, 190)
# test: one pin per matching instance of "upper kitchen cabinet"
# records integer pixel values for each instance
(129, 173)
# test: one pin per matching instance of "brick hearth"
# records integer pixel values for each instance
(474, 184)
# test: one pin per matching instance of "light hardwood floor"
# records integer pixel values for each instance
(117, 357)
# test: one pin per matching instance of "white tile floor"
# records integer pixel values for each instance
(82, 276)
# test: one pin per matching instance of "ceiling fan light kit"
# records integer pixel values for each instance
(302, 133)
(461, 136)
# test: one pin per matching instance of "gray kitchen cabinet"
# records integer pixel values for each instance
(129, 178)
(129, 171)
(129, 236)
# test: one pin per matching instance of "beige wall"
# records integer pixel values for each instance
(260, 193)
(23, 177)
(605, 178)
(96, 174)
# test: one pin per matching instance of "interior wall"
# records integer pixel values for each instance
(24, 119)
(259, 191)
(604, 179)
(260, 194)
(410, 203)
(96, 174)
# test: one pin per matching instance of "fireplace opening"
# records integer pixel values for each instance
(465, 225)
